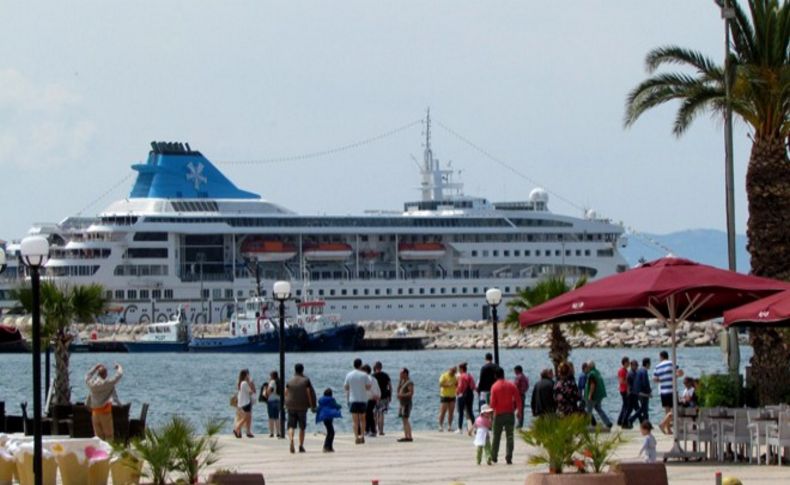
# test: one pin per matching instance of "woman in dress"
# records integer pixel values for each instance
(566, 392)
(273, 403)
(245, 389)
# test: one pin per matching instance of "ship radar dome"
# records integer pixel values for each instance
(591, 214)
(539, 195)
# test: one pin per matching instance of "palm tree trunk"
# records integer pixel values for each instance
(768, 191)
(559, 348)
(62, 385)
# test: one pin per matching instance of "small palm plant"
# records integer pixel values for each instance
(599, 450)
(157, 452)
(193, 453)
(558, 439)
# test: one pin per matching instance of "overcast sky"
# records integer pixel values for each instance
(85, 86)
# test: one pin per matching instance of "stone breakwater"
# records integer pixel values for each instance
(468, 334)
(614, 333)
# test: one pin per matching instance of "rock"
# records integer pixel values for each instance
(626, 326)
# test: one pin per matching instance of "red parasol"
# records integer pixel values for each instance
(772, 311)
(670, 289)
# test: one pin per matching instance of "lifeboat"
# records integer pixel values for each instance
(327, 252)
(421, 251)
(268, 251)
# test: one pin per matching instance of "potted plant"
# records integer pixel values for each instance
(156, 451)
(568, 442)
(192, 453)
(126, 465)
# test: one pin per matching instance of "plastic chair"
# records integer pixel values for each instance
(736, 433)
(779, 435)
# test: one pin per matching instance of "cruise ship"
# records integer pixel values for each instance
(187, 236)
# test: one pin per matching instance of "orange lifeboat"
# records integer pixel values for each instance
(268, 251)
(421, 251)
(327, 252)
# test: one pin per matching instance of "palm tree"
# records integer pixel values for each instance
(760, 96)
(60, 307)
(543, 291)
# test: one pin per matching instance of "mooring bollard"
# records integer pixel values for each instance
(718, 478)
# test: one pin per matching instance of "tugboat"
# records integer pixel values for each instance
(326, 332)
(170, 336)
(251, 330)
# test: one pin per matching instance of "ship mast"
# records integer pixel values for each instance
(434, 180)
(427, 161)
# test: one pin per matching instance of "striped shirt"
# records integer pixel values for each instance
(664, 373)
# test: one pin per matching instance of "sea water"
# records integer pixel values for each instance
(199, 386)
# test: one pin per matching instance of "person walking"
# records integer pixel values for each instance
(482, 429)
(299, 397)
(271, 391)
(328, 411)
(487, 378)
(664, 375)
(542, 401)
(522, 384)
(643, 392)
(357, 384)
(405, 398)
(566, 392)
(465, 396)
(506, 403)
(385, 386)
(102, 395)
(582, 387)
(374, 394)
(245, 389)
(622, 387)
(595, 393)
(633, 395)
(447, 385)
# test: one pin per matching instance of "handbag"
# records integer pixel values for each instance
(262, 397)
(234, 400)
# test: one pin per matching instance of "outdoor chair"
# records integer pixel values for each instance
(736, 434)
(701, 431)
(778, 435)
(27, 422)
(137, 426)
(61, 417)
(757, 429)
(686, 419)
(120, 422)
(81, 425)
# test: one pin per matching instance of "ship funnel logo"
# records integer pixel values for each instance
(195, 174)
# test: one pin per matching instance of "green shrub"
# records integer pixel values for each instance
(717, 390)
(558, 439)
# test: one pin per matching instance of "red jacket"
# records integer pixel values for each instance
(505, 398)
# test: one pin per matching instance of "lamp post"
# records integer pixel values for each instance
(728, 13)
(494, 297)
(35, 250)
(282, 292)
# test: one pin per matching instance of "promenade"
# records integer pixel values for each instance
(434, 458)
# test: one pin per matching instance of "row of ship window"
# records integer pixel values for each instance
(516, 253)
(227, 293)
(410, 305)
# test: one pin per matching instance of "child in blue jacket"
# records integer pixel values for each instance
(328, 409)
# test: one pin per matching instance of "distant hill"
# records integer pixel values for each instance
(707, 246)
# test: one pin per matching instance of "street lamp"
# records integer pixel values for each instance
(35, 250)
(494, 297)
(282, 292)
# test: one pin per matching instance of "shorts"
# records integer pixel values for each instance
(297, 418)
(666, 400)
(273, 409)
(382, 406)
(358, 407)
(446, 399)
(405, 409)
(247, 408)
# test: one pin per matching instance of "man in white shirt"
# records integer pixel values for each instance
(357, 385)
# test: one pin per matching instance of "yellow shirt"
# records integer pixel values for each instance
(447, 384)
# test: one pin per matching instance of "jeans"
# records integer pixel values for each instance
(625, 410)
(370, 419)
(465, 402)
(330, 434)
(520, 423)
(641, 409)
(506, 421)
(596, 405)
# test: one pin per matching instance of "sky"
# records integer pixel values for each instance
(85, 86)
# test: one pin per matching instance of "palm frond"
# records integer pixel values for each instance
(705, 99)
(682, 56)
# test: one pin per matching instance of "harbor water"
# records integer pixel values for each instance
(199, 386)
